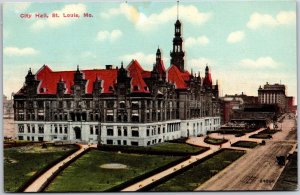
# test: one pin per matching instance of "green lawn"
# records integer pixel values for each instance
(166, 148)
(191, 179)
(214, 141)
(20, 163)
(177, 147)
(245, 144)
(86, 175)
(265, 134)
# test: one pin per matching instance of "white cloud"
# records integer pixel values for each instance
(199, 64)
(235, 36)
(15, 51)
(111, 36)
(194, 41)
(282, 18)
(262, 62)
(60, 21)
(143, 22)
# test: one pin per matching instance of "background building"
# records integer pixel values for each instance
(275, 94)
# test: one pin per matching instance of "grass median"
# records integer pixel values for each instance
(96, 171)
(21, 163)
(198, 174)
(245, 144)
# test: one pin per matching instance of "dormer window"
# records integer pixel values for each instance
(135, 88)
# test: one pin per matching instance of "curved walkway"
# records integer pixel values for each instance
(40, 181)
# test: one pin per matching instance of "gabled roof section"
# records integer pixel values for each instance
(176, 77)
(186, 75)
(161, 67)
(138, 84)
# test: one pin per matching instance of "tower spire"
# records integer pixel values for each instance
(177, 54)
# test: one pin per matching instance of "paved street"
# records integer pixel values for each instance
(257, 170)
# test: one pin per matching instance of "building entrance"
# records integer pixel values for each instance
(77, 131)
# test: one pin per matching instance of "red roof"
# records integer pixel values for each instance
(177, 77)
(135, 72)
(161, 67)
(48, 79)
(146, 74)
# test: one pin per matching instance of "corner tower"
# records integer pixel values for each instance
(177, 55)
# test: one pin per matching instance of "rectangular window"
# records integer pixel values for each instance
(21, 129)
(55, 129)
(97, 129)
(134, 143)
(148, 132)
(109, 141)
(135, 133)
(124, 142)
(125, 131)
(20, 137)
(119, 142)
(91, 130)
(41, 129)
(110, 132)
(60, 129)
(66, 129)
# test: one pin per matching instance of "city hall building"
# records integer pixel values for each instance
(119, 106)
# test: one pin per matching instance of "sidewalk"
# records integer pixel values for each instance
(38, 183)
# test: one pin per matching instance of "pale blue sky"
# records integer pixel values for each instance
(246, 44)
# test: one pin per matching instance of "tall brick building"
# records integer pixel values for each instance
(120, 106)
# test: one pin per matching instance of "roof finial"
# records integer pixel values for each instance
(177, 10)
